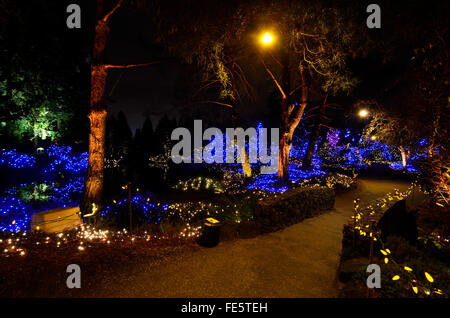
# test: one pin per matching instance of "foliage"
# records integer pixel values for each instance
(39, 91)
(200, 184)
(391, 129)
(340, 181)
(34, 192)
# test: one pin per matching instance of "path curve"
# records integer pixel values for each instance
(299, 261)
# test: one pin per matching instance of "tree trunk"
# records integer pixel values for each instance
(93, 187)
(306, 164)
(94, 179)
(246, 168)
(290, 118)
(285, 136)
(283, 158)
(290, 114)
(404, 156)
(245, 162)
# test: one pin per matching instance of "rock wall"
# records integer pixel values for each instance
(294, 206)
(286, 209)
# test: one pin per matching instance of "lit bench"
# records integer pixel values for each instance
(56, 220)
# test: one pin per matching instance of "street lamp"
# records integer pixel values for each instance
(267, 38)
(363, 113)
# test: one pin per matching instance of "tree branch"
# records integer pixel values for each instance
(274, 79)
(112, 11)
(204, 87)
(248, 88)
(313, 66)
(209, 102)
(296, 114)
(108, 66)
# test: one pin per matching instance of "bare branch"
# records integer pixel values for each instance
(108, 66)
(274, 79)
(311, 35)
(312, 64)
(247, 86)
(112, 11)
(326, 126)
(209, 102)
(307, 48)
(204, 87)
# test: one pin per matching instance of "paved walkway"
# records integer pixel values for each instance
(299, 261)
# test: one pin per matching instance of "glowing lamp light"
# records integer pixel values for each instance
(373, 137)
(363, 113)
(267, 38)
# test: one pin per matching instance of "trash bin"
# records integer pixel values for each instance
(210, 234)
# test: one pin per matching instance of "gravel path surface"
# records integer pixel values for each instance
(299, 261)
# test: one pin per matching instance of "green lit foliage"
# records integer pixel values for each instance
(34, 193)
(39, 91)
(33, 105)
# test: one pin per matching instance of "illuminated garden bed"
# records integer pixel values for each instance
(408, 269)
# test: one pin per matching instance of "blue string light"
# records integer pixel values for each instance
(13, 159)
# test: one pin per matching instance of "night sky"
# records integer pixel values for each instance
(143, 91)
(158, 89)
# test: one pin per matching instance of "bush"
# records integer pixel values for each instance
(294, 206)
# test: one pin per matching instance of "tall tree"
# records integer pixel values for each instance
(92, 194)
(311, 45)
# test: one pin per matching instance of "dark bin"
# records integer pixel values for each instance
(210, 234)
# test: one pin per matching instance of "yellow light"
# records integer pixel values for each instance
(363, 113)
(212, 220)
(415, 289)
(267, 38)
(386, 260)
(373, 137)
(408, 269)
(429, 277)
(396, 277)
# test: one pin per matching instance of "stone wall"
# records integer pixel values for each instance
(294, 206)
(286, 209)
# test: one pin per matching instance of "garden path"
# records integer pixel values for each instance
(298, 261)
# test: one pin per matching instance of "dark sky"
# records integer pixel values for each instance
(150, 90)
(143, 90)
